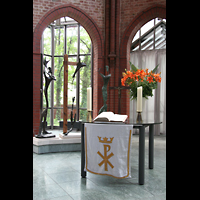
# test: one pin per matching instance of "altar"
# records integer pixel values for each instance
(141, 163)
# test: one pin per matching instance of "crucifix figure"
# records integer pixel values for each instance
(104, 90)
(119, 88)
(65, 89)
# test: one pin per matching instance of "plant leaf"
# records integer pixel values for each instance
(154, 70)
(133, 67)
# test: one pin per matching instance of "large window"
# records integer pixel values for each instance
(66, 36)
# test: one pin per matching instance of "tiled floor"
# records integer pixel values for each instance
(56, 176)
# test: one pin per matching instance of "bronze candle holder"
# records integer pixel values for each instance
(89, 116)
(139, 117)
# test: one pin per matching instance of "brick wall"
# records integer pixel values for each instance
(131, 8)
(111, 25)
(94, 8)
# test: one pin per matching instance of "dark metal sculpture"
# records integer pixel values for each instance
(79, 65)
(48, 78)
(104, 90)
(72, 120)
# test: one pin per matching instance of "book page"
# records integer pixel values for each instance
(104, 116)
(119, 118)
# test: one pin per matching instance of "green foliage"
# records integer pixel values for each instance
(154, 70)
(133, 67)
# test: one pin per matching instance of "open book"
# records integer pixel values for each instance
(110, 117)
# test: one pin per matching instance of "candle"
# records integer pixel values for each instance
(139, 99)
(89, 98)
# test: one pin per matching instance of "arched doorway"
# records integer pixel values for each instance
(97, 43)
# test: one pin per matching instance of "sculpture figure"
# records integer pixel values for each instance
(104, 90)
(79, 65)
(72, 120)
(48, 78)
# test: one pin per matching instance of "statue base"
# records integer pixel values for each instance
(45, 135)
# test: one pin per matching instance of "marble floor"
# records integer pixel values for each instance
(56, 176)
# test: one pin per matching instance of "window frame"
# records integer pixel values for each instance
(55, 25)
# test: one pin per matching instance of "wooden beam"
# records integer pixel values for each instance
(72, 63)
(65, 99)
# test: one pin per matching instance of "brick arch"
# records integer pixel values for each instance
(98, 45)
(142, 18)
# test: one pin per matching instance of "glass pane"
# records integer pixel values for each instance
(62, 19)
(71, 82)
(47, 41)
(147, 41)
(71, 90)
(160, 37)
(85, 42)
(69, 19)
(58, 84)
(147, 26)
(72, 33)
(85, 82)
(59, 41)
(136, 36)
(83, 114)
(57, 116)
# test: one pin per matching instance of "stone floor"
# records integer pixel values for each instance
(56, 176)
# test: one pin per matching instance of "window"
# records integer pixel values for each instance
(66, 36)
(151, 35)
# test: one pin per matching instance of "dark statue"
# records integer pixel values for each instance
(72, 120)
(79, 65)
(104, 90)
(48, 78)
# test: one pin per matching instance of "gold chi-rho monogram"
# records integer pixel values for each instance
(106, 157)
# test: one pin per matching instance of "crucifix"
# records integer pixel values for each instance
(119, 88)
(65, 96)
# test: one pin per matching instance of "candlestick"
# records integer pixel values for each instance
(139, 118)
(139, 99)
(89, 98)
(89, 116)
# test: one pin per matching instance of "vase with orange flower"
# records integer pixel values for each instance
(140, 77)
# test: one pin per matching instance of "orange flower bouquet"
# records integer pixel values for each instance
(136, 78)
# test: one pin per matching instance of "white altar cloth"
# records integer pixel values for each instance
(107, 149)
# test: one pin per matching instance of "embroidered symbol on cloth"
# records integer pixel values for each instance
(106, 157)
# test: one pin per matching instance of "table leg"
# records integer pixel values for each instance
(151, 146)
(141, 154)
(83, 173)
